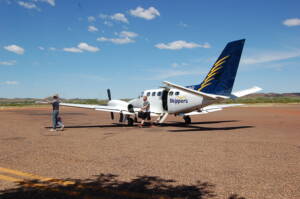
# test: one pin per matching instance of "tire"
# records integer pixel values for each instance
(130, 121)
(187, 120)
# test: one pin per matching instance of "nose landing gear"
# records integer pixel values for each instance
(187, 120)
(130, 121)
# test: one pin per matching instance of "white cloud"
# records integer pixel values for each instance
(72, 50)
(177, 65)
(270, 57)
(148, 14)
(52, 49)
(41, 48)
(119, 17)
(292, 22)
(125, 40)
(92, 29)
(91, 19)
(184, 25)
(15, 49)
(86, 47)
(9, 83)
(177, 45)
(108, 23)
(205, 45)
(8, 63)
(51, 2)
(125, 37)
(28, 5)
(81, 47)
(128, 34)
(103, 16)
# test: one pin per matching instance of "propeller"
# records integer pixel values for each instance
(109, 98)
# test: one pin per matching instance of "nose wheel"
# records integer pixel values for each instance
(187, 120)
(130, 121)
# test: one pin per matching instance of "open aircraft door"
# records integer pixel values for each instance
(164, 98)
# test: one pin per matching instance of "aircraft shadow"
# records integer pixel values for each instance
(182, 124)
(109, 187)
(199, 128)
(192, 126)
(171, 124)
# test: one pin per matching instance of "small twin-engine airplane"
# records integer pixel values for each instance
(185, 101)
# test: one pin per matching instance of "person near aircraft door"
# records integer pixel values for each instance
(145, 111)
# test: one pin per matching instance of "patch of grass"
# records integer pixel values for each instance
(85, 101)
(17, 103)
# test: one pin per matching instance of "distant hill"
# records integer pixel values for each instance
(268, 98)
(274, 95)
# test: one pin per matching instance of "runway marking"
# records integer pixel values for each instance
(31, 176)
(8, 178)
(23, 174)
(43, 182)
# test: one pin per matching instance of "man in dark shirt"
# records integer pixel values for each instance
(55, 112)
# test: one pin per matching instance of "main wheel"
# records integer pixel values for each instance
(121, 117)
(130, 121)
(187, 120)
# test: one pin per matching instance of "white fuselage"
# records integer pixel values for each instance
(171, 101)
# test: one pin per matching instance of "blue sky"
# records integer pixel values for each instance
(78, 48)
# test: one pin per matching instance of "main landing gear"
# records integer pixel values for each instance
(187, 120)
(123, 118)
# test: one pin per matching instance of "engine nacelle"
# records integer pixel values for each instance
(130, 108)
(118, 104)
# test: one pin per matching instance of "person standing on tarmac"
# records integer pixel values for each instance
(55, 107)
(145, 111)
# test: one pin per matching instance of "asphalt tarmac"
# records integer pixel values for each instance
(245, 152)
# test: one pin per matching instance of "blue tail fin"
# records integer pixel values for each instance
(221, 76)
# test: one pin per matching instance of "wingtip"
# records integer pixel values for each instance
(257, 88)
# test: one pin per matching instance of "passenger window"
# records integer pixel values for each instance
(177, 93)
(159, 93)
(171, 93)
(148, 94)
(153, 93)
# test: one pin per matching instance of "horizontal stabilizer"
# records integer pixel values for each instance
(245, 92)
(195, 92)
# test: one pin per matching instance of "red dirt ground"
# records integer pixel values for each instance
(253, 152)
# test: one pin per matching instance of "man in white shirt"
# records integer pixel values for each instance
(145, 110)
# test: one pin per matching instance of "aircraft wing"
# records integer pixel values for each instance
(113, 109)
(211, 108)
